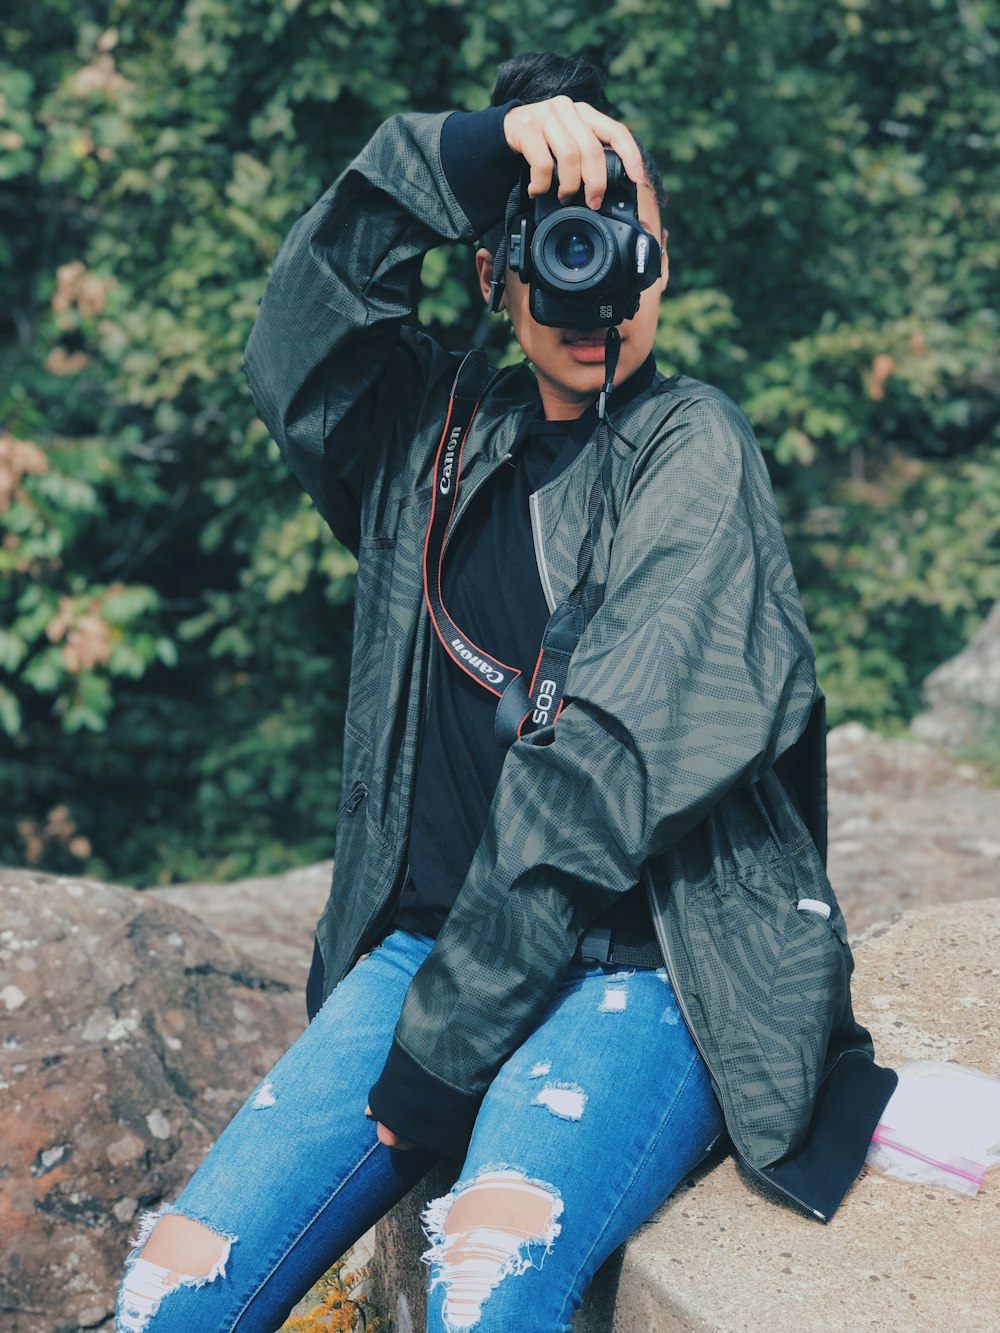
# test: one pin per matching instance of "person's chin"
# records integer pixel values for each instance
(585, 378)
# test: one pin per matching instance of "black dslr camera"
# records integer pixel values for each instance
(585, 267)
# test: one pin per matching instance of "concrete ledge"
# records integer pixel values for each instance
(717, 1258)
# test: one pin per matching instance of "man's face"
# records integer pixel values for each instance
(569, 363)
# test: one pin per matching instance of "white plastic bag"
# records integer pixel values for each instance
(940, 1127)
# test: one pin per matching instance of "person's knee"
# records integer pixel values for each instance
(176, 1252)
(483, 1233)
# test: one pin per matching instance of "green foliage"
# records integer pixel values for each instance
(174, 619)
(895, 572)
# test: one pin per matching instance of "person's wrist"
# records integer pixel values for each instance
(508, 132)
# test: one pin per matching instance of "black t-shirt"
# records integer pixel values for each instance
(492, 590)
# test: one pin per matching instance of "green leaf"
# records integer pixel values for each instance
(10, 712)
(13, 650)
(123, 606)
(45, 671)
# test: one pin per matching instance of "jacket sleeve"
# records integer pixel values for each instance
(695, 673)
(335, 374)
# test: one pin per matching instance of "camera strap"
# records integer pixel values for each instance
(511, 210)
(522, 707)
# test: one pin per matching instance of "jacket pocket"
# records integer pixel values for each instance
(771, 982)
(809, 984)
(359, 863)
(354, 814)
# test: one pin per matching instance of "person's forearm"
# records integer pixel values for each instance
(344, 280)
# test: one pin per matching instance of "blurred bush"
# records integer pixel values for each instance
(174, 621)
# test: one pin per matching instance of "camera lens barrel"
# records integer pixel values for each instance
(572, 250)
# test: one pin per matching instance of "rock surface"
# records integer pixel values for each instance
(963, 694)
(909, 827)
(270, 918)
(129, 1034)
(718, 1258)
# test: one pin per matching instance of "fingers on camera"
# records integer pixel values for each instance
(616, 136)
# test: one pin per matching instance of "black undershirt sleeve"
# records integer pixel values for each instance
(480, 167)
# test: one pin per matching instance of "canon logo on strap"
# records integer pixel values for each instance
(486, 669)
(444, 485)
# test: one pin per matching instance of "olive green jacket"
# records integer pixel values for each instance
(693, 677)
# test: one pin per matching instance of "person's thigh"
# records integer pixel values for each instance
(585, 1131)
(296, 1177)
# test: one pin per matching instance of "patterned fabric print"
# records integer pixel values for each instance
(693, 675)
(769, 982)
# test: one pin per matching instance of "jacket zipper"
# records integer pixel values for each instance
(456, 518)
(358, 793)
(536, 537)
(661, 935)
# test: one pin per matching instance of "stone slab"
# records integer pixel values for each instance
(901, 1256)
(909, 827)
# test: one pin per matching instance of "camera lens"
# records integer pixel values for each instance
(574, 250)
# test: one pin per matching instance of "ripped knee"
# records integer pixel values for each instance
(482, 1232)
(171, 1251)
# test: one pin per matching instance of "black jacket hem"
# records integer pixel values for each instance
(848, 1107)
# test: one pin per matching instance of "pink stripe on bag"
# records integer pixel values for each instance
(878, 1138)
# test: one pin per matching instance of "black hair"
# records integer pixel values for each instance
(536, 76)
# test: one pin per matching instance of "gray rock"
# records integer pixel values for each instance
(129, 1035)
(909, 827)
(271, 918)
(963, 694)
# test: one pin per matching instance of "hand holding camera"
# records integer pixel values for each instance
(580, 245)
(571, 136)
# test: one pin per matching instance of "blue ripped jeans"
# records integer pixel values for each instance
(583, 1133)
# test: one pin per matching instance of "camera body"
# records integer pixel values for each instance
(585, 267)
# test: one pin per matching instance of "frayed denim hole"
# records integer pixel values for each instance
(468, 1278)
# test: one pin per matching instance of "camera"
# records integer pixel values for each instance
(585, 267)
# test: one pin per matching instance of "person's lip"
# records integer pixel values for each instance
(586, 346)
